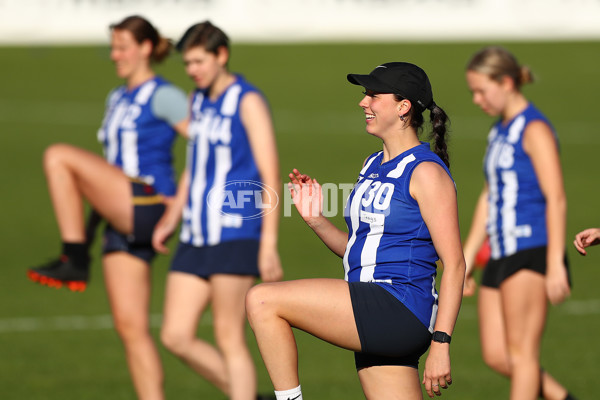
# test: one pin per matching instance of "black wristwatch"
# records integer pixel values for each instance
(441, 337)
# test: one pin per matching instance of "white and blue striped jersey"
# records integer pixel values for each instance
(138, 141)
(516, 205)
(388, 241)
(224, 199)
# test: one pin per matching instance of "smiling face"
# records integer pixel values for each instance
(491, 96)
(382, 112)
(129, 56)
(203, 66)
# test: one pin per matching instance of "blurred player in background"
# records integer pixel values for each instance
(127, 189)
(402, 216)
(226, 240)
(523, 210)
(586, 238)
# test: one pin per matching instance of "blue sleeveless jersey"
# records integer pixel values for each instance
(388, 241)
(224, 200)
(137, 141)
(516, 204)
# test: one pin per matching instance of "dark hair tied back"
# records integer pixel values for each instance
(143, 30)
(439, 122)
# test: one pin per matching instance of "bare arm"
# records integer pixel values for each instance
(475, 238)
(167, 224)
(433, 189)
(307, 196)
(257, 121)
(539, 143)
(182, 127)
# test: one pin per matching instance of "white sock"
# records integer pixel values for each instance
(291, 394)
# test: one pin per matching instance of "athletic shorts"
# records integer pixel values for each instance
(390, 334)
(148, 208)
(497, 271)
(237, 257)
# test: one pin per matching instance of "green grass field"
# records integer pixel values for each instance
(55, 344)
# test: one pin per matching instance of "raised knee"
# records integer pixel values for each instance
(55, 155)
(256, 302)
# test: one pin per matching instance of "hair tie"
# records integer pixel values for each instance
(432, 106)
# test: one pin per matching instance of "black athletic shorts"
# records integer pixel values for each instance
(237, 257)
(148, 208)
(390, 334)
(497, 271)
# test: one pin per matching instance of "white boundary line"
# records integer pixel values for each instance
(74, 323)
(104, 321)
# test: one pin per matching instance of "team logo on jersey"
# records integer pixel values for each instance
(242, 200)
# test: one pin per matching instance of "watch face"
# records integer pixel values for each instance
(441, 337)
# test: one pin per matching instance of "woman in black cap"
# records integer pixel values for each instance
(402, 217)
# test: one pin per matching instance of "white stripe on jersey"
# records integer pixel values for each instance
(492, 200)
(129, 149)
(217, 194)
(397, 172)
(198, 188)
(368, 164)
(230, 102)
(508, 211)
(368, 255)
(112, 147)
(186, 231)
(187, 213)
(434, 309)
(514, 132)
(143, 95)
(359, 190)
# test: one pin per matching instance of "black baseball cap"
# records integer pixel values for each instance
(401, 78)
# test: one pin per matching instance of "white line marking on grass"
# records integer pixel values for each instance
(104, 321)
(74, 323)
(580, 307)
